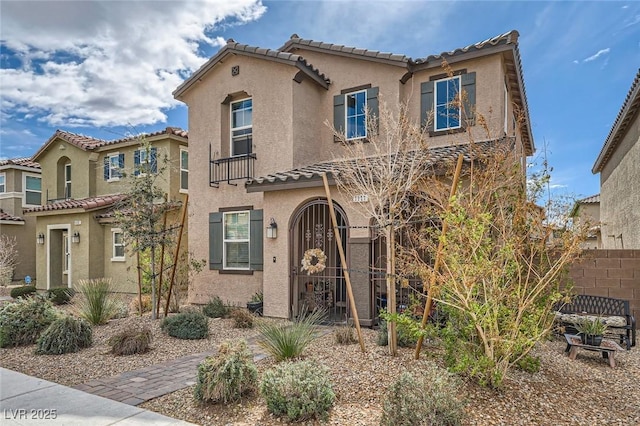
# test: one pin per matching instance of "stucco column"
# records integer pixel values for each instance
(358, 264)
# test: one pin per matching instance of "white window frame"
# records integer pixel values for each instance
(185, 170)
(232, 129)
(435, 104)
(67, 180)
(114, 257)
(3, 185)
(115, 155)
(24, 189)
(236, 240)
(362, 113)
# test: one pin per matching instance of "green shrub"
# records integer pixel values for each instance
(529, 363)
(298, 390)
(215, 308)
(22, 321)
(61, 295)
(186, 325)
(22, 291)
(284, 341)
(228, 375)
(65, 335)
(130, 342)
(428, 400)
(97, 306)
(242, 318)
(405, 339)
(344, 335)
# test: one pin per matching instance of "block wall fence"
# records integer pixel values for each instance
(609, 273)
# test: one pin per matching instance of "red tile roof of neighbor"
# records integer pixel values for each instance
(9, 218)
(91, 203)
(22, 161)
(590, 200)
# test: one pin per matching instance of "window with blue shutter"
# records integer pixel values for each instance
(144, 161)
(113, 166)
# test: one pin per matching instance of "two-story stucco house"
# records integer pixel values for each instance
(260, 143)
(20, 188)
(83, 180)
(619, 166)
(588, 210)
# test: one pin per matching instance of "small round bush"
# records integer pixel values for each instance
(429, 400)
(134, 305)
(186, 325)
(60, 296)
(344, 335)
(215, 308)
(298, 390)
(228, 375)
(242, 318)
(65, 335)
(130, 342)
(22, 291)
(22, 321)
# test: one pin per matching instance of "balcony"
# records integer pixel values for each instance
(230, 169)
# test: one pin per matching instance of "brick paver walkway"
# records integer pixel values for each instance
(137, 386)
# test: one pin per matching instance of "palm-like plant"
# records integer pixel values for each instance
(96, 306)
(285, 341)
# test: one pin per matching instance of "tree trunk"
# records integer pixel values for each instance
(391, 290)
(153, 283)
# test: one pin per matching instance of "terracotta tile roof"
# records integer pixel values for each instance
(433, 158)
(4, 216)
(87, 204)
(593, 199)
(22, 161)
(628, 111)
(88, 143)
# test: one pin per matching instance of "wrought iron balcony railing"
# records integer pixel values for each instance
(230, 169)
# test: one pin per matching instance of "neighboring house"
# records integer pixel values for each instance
(619, 166)
(83, 179)
(259, 146)
(20, 187)
(588, 209)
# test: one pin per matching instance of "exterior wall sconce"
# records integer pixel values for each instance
(272, 229)
(40, 238)
(75, 238)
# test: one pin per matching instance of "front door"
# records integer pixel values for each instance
(59, 260)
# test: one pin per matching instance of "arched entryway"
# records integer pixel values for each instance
(311, 228)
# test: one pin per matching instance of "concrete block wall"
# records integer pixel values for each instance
(609, 273)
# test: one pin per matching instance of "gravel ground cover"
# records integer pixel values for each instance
(565, 392)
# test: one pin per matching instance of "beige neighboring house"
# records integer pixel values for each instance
(259, 146)
(83, 179)
(619, 166)
(20, 188)
(588, 209)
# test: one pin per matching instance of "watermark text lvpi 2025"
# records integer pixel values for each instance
(29, 413)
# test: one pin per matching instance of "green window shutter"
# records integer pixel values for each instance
(136, 162)
(256, 237)
(215, 240)
(468, 82)
(120, 164)
(338, 114)
(372, 105)
(106, 167)
(426, 104)
(154, 160)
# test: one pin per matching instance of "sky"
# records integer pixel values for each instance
(107, 68)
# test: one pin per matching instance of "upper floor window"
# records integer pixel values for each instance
(145, 161)
(241, 127)
(184, 170)
(118, 244)
(447, 108)
(113, 166)
(3, 186)
(32, 190)
(67, 180)
(355, 114)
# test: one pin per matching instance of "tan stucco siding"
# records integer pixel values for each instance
(620, 193)
(25, 237)
(52, 160)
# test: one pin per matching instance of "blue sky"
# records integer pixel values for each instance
(107, 69)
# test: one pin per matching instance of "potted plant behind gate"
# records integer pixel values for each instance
(591, 330)
(255, 304)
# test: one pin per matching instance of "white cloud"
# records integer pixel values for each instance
(597, 55)
(107, 63)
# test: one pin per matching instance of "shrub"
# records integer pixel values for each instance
(344, 335)
(22, 321)
(298, 391)
(22, 291)
(130, 342)
(242, 318)
(529, 363)
(405, 339)
(134, 305)
(61, 295)
(284, 341)
(96, 306)
(186, 325)
(428, 400)
(228, 375)
(65, 335)
(215, 308)
(120, 310)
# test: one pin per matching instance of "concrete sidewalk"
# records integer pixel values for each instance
(27, 400)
